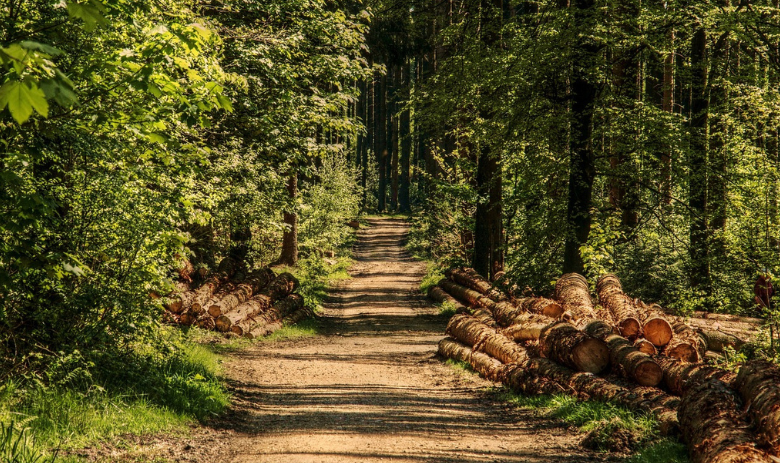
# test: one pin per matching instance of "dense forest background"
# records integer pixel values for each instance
(525, 138)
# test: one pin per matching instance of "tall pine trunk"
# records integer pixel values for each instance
(697, 200)
(289, 254)
(582, 170)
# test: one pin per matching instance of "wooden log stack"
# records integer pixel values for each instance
(623, 351)
(250, 306)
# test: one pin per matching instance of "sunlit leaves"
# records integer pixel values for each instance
(21, 99)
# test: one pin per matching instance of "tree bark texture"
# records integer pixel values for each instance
(470, 331)
(565, 344)
(712, 426)
(758, 383)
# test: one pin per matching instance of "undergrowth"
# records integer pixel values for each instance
(608, 427)
(163, 386)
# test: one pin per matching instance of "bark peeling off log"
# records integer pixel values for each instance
(468, 296)
(569, 346)
(758, 382)
(713, 428)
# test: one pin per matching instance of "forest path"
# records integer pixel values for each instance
(369, 387)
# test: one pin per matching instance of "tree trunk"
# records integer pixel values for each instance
(667, 106)
(572, 291)
(629, 361)
(582, 170)
(468, 296)
(712, 426)
(289, 254)
(248, 310)
(487, 366)
(441, 296)
(404, 202)
(621, 307)
(758, 382)
(680, 376)
(471, 332)
(271, 320)
(565, 344)
(381, 151)
(254, 283)
(697, 200)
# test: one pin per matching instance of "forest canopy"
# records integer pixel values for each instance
(526, 138)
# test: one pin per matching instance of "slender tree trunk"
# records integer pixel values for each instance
(699, 232)
(488, 245)
(393, 131)
(290, 238)
(582, 169)
(381, 152)
(406, 147)
(717, 178)
(667, 105)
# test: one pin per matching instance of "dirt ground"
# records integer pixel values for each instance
(370, 388)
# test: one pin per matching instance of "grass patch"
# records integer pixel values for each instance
(608, 427)
(460, 366)
(305, 329)
(433, 275)
(316, 275)
(160, 388)
(447, 309)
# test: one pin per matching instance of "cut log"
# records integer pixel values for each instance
(680, 376)
(758, 383)
(467, 296)
(281, 286)
(729, 318)
(622, 307)
(629, 361)
(439, 295)
(712, 426)
(541, 306)
(571, 291)
(206, 322)
(655, 326)
(481, 337)
(565, 344)
(188, 318)
(271, 319)
(256, 281)
(487, 366)
(247, 310)
(484, 317)
(298, 316)
(469, 278)
(225, 269)
(686, 345)
(180, 302)
(746, 332)
(527, 327)
(718, 340)
(645, 346)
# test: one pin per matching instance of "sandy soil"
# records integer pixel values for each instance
(370, 388)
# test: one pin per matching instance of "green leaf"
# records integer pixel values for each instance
(48, 49)
(91, 13)
(225, 103)
(21, 100)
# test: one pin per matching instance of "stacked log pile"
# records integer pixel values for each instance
(623, 351)
(246, 305)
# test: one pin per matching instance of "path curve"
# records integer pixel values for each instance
(370, 388)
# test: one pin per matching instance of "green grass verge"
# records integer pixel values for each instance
(141, 393)
(608, 427)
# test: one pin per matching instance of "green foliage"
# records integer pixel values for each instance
(17, 446)
(156, 388)
(608, 427)
(434, 273)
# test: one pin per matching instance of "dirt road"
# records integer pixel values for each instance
(370, 389)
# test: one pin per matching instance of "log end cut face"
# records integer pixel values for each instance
(648, 373)
(658, 331)
(683, 352)
(591, 355)
(630, 328)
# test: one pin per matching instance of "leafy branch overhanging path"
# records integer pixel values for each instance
(369, 388)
